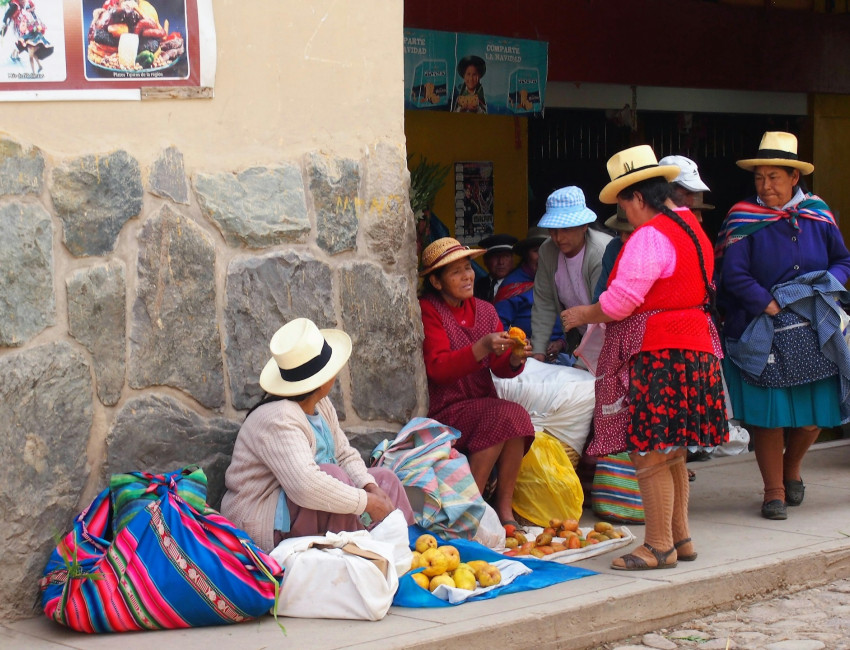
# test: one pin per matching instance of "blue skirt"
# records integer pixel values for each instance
(816, 403)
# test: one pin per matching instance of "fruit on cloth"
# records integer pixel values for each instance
(434, 562)
(569, 525)
(556, 524)
(464, 579)
(414, 561)
(424, 542)
(603, 527)
(518, 338)
(488, 575)
(521, 538)
(422, 580)
(510, 530)
(452, 556)
(543, 539)
(477, 564)
(442, 579)
(511, 542)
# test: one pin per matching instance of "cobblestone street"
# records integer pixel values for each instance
(812, 619)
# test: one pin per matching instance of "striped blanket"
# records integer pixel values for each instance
(422, 456)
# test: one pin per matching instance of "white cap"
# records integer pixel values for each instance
(689, 176)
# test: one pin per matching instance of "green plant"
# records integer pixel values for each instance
(426, 179)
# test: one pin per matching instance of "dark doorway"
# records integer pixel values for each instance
(572, 146)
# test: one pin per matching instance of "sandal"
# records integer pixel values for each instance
(685, 558)
(633, 562)
(691, 476)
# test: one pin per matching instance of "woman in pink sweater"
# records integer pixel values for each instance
(293, 471)
(659, 393)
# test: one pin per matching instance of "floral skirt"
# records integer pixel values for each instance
(676, 400)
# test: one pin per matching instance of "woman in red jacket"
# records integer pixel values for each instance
(464, 341)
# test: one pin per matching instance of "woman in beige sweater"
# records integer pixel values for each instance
(293, 471)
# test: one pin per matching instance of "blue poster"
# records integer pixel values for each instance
(474, 73)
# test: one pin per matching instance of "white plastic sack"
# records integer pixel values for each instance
(490, 531)
(392, 530)
(346, 575)
(739, 441)
(559, 399)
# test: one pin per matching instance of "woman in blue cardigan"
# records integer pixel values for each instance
(782, 235)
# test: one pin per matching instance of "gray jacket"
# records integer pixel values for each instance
(547, 306)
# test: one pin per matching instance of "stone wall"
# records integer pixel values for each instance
(137, 300)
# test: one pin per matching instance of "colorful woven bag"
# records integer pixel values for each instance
(615, 495)
(142, 557)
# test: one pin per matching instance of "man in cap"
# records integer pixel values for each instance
(516, 294)
(688, 183)
(569, 265)
(499, 261)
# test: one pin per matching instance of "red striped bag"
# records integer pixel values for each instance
(615, 495)
(166, 566)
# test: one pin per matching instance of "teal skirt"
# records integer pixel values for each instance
(816, 403)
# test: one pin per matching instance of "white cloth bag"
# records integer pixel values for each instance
(347, 575)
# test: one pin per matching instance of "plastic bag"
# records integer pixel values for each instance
(591, 346)
(490, 532)
(547, 486)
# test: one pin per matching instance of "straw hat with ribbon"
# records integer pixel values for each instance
(631, 166)
(445, 251)
(779, 149)
(304, 358)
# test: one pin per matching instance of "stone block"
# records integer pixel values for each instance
(168, 178)
(155, 433)
(21, 171)
(258, 207)
(45, 423)
(95, 196)
(334, 186)
(27, 301)
(97, 319)
(174, 334)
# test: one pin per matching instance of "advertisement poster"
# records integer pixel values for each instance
(473, 73)
(104, 49)
(473, 201)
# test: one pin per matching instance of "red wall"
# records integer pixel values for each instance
(680, 43)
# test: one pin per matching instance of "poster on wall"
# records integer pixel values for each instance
(104, 49)
(473, 201)
(473, 73)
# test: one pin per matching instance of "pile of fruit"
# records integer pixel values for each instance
(442, 566)
(566, 530)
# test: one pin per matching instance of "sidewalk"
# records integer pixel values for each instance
(741, 557)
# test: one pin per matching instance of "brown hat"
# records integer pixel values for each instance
(619, 222)
(445, 251)
(698, 204)
(533, 239)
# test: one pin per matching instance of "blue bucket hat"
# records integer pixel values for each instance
(566, 208)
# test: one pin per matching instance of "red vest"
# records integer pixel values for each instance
(682, 324)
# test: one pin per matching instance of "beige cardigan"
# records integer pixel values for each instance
(275, 448)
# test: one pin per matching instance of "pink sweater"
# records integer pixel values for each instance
(275, 448)
(647, 256)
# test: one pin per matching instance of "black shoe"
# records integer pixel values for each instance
(794, 492)
(774, 510)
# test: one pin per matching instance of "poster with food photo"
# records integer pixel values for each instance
(135, 39)
(32, 41)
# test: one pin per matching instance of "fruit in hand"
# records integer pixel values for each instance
(422, 580)
(434, 562)
(464, 579)
(442, 579)
(488, 576)
(518, 339)
(424, 542)
(452, 556)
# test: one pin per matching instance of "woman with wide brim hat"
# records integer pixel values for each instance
(464, 341)
(293, 471)
(659, 390)
(770, 244)
(469, 95)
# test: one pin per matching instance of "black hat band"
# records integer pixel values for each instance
(309, 368)
(635, 169)
(776, 153)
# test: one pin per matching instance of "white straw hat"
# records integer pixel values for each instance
(779, 149)
(631, 166)
(303, 358)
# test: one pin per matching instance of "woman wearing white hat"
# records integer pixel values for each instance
(660, 392)
(464, 340)
(781, 240)
(293, 471)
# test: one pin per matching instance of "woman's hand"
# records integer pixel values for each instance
(554, 349)
(574, 317)
(496, 343)
(378, 504)
(772, 308)
(518, 357)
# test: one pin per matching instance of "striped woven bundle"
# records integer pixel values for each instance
(615, 494)
(422, 456)
(133, 492)
(168, 566)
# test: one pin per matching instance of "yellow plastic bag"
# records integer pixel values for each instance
(547, 486)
